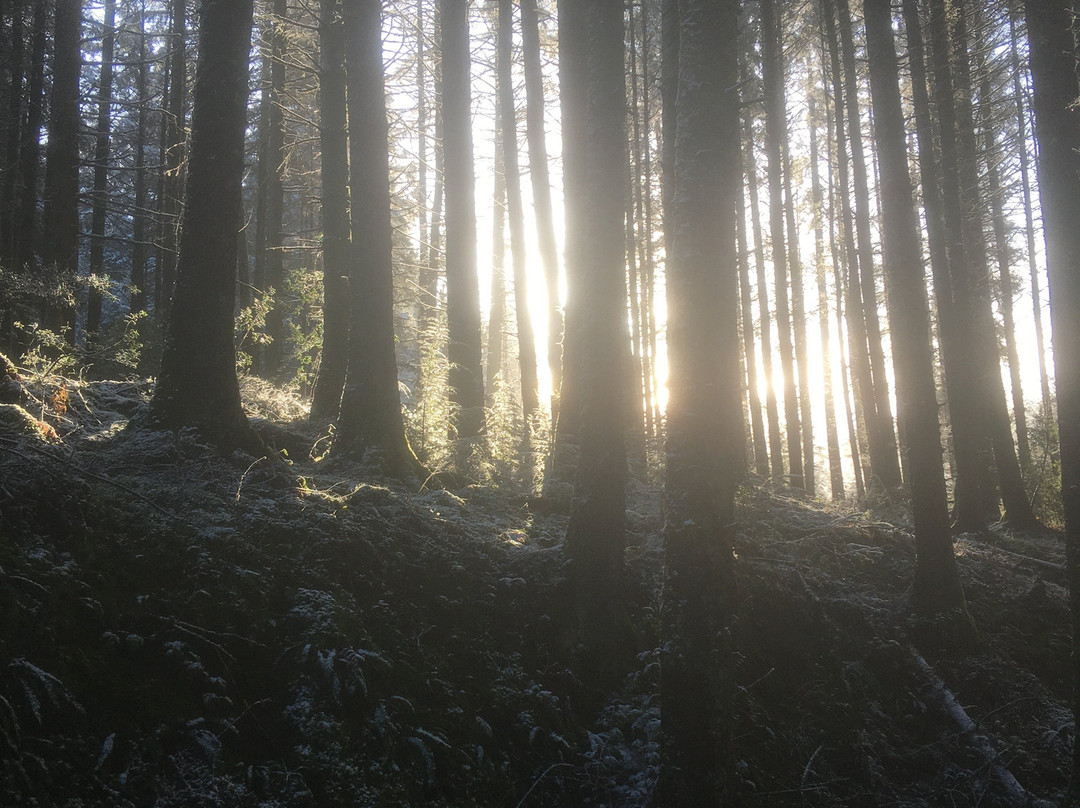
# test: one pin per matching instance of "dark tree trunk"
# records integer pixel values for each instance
(99, 193)
(197, 386)
(336, 241)
(776, 450)
(173, 142)
(462, 284)
(496, 342)
(704, 447)
(775, 125)
(15, 69)
(975, 286)
(370, 420)
(598, 350)
(937, 584)
(140, 248)
(30, 149)
(1029, 221)
(530, 400)
(757, 424)
(1003, 259)
(884, 463)
(60, 239)
(832, 437)
(878, 412)
(541, 188)
(1057, 129)
(272, 173)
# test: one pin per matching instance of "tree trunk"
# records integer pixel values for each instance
(757, 425)
(1029, 222)
(832, 437)
(497, 314)
(530, 400)
(937, 583)
(776, 450)
(462, 284)
(197, 386)
(274, 155)
(775, 123)
(99, 193)
(541, 188)
(173, 143)
(140, 247)
(60, 239)
(370, 420)
(884, 464)
(336, 241)
(704, 447)
(878, 412)
(596, 319)
(1057, 130)
(30, 149)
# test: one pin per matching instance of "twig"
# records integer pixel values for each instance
(536, 782)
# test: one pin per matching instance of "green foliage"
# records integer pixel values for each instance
(302, 294)
(429, 413)
(251, 328)
(1044, 476)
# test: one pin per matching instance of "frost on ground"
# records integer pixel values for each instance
(179, 627)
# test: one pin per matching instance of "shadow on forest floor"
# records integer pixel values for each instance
(179, 627)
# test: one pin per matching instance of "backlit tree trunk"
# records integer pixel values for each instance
(704, 447)
(197, 386)
(937, 583)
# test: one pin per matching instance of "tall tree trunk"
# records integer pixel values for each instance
(704, 448)
(273, 352)
(1057, 130)
(598, 348)
(775, 124)
(370, 421)
(1029, 219)
(30, 148)
(757, 425)
(883, 462)
(541, 188)
(60, 239)
(496, 343)
(336, 240)
(878, 413)
(11, 130)
(776, 450)
(197, 386)
(169, 202)
(1002, 250)
(140, 247)
(937, 583)
(462, 284)
(1018, 510)
(832, 437)
(99, 193)
(530, 400)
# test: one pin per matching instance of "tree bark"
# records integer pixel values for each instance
(197, 386)
(541, 187)
(599, 349)
(704, 447)
(370, 422)
(775, 125)
(937, 583)
(336, 241)
(462, 284)
(1057, 130)
(99, 193)
(530, 400)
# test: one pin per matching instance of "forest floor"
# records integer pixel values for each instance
(183, 628)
